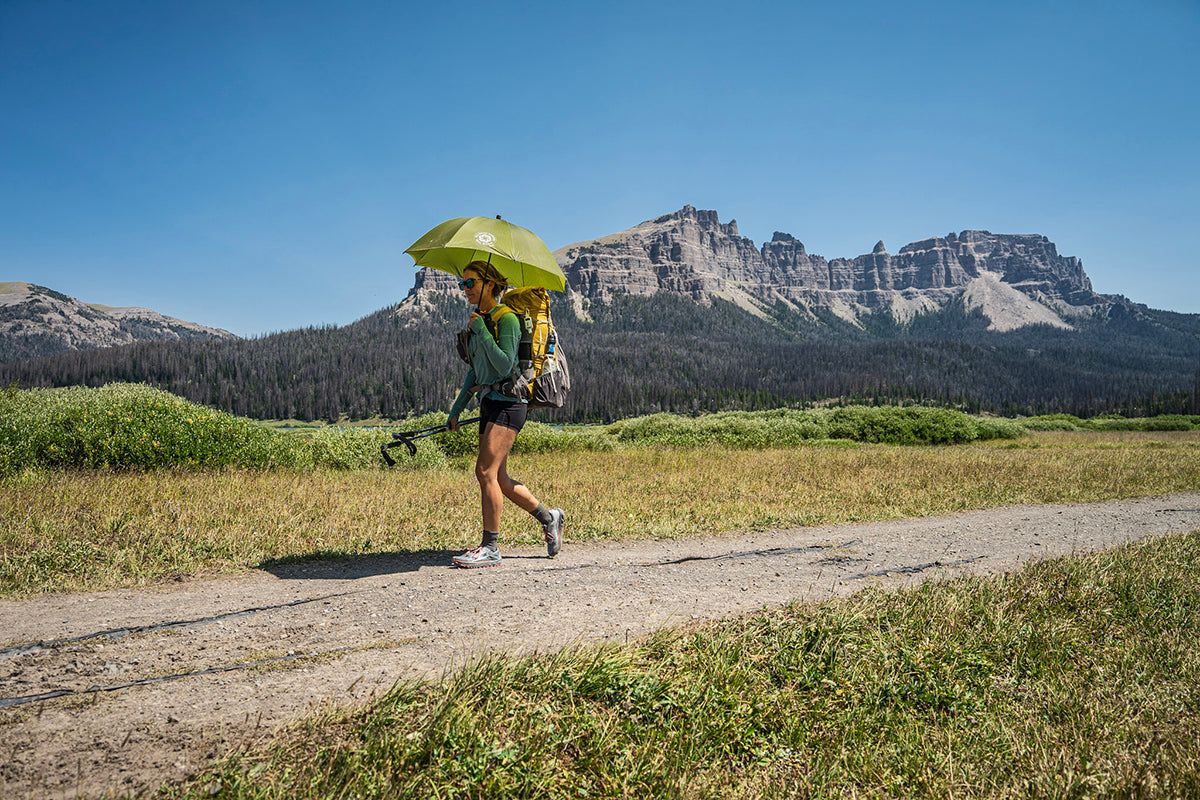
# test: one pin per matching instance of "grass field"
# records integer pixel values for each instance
(95, 529)
(1073, 678)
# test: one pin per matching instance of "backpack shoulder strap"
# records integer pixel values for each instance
(492, 317)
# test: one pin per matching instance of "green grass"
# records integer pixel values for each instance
(1076, 677)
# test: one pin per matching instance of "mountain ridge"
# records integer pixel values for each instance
(1016, 280)
(36, 321)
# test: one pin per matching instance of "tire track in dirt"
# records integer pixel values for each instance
(150, 685)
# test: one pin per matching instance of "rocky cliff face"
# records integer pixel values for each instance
(1015, 279)
(689, 252)
(36, 321)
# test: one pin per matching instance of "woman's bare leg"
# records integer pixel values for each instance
(491, 470)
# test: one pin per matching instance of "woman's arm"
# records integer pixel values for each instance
(464, 395)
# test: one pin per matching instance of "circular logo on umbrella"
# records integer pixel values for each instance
(486, 239)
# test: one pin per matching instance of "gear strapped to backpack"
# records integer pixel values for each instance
(540, 375)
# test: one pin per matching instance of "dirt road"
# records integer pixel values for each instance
(122, 690)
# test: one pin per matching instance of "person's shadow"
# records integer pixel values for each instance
(337, 566)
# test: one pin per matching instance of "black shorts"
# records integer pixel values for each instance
(509, 413)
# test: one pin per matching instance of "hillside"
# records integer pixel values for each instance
(682, 314)
(36, 321)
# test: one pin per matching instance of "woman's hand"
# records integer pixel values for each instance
(452, 423)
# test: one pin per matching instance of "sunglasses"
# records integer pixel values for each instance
(467, 283)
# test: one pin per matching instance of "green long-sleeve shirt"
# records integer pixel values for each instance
(492, 359)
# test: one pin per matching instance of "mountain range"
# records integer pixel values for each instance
(1013, 280)
(36, 321)
(681, 313)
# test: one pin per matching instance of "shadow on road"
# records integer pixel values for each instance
(336, 566)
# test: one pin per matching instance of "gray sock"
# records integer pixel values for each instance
(542, 514)
(491, 539)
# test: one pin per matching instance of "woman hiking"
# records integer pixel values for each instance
(492, 356)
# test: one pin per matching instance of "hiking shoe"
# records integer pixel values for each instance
(479, 557)
(554, 531)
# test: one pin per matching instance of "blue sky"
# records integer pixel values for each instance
(261, 166)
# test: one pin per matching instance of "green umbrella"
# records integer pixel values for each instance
(518, 254)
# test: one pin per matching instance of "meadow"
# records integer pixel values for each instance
(1075, 677)
(127, 485)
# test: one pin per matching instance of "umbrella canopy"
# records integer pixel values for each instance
(519, 255)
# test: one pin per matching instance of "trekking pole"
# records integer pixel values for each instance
(408, 437)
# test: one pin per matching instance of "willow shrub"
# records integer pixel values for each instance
(1166, 422)
(126, 426)
(1054, 422)
(1110, 422)
(136, 427)
(789, 427)
(132, 426)
(916, 425)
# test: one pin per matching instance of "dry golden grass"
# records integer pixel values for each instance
(91, 530)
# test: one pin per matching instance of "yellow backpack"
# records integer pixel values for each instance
(541, 370)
